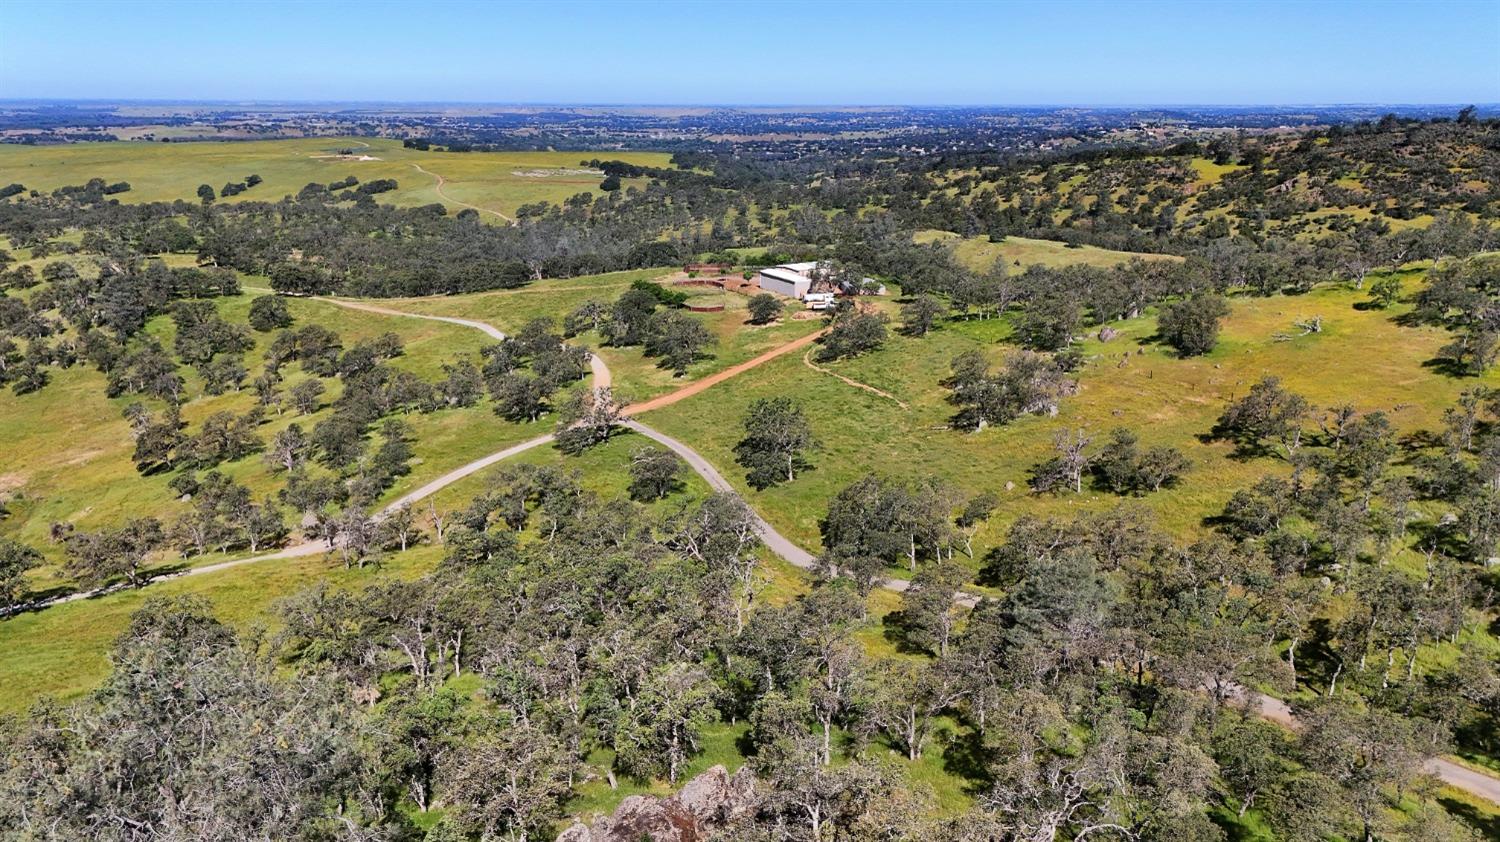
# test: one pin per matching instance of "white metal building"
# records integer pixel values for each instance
(786, 280)
(804, 268)
(795, 280)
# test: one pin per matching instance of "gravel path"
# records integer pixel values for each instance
(1457, 776)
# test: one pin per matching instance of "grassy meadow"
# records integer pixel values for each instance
(63, 650)
(1018, 253)
(636, 377)
(79, 469)
(164, 172)
(1362, 357)
(76, 466)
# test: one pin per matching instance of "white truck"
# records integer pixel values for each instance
(819, 300)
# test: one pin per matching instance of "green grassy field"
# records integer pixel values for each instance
(979, 254)
(77, 465)
(636, 376)
(80, 469)
(1210, 173)
(62, 651)
(497, 181)
(1362, 357)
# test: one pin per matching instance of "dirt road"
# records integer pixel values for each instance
(441, 181)
(697, 386)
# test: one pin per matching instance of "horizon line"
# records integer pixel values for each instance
(728, 105)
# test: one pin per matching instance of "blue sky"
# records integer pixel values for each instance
(1084, 53)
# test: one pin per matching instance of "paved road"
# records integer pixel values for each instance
(597, 368)
(601, 378)
(457, 474)
(1268, 707)
(1462, 777)
(775, 541)
(1459, 777)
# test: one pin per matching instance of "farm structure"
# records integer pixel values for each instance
(797, 280)
(728, 282)
(785, 280)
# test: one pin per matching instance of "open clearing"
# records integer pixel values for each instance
(636, 377)
(495, 181)
(1362, 357)
(979, 254)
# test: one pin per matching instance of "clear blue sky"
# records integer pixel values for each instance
(1087, 53)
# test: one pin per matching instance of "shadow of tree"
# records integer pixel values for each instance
(965, 756)
(896, 630)
(1449, 367)
(1488, 825)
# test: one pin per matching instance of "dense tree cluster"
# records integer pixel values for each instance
(524, 370)
(1026, 383)
(1465, 297)
(1097, 692)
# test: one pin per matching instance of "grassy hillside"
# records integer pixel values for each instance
(80, 467)
(498, 181)
(77, 466)
(884, 412)
(1362, 357)
(979, 254)
(636, 376)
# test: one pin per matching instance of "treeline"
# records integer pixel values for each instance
(323, 241)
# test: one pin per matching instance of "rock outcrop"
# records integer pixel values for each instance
(705, 804)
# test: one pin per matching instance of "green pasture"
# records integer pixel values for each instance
(62, 651)
(1362, 357)
(1018, 253)
(76, 466)
(636, 377)
(164, 172)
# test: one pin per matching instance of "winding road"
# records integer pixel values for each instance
(1268, 707)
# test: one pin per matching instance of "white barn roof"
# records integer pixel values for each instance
(783, 273)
